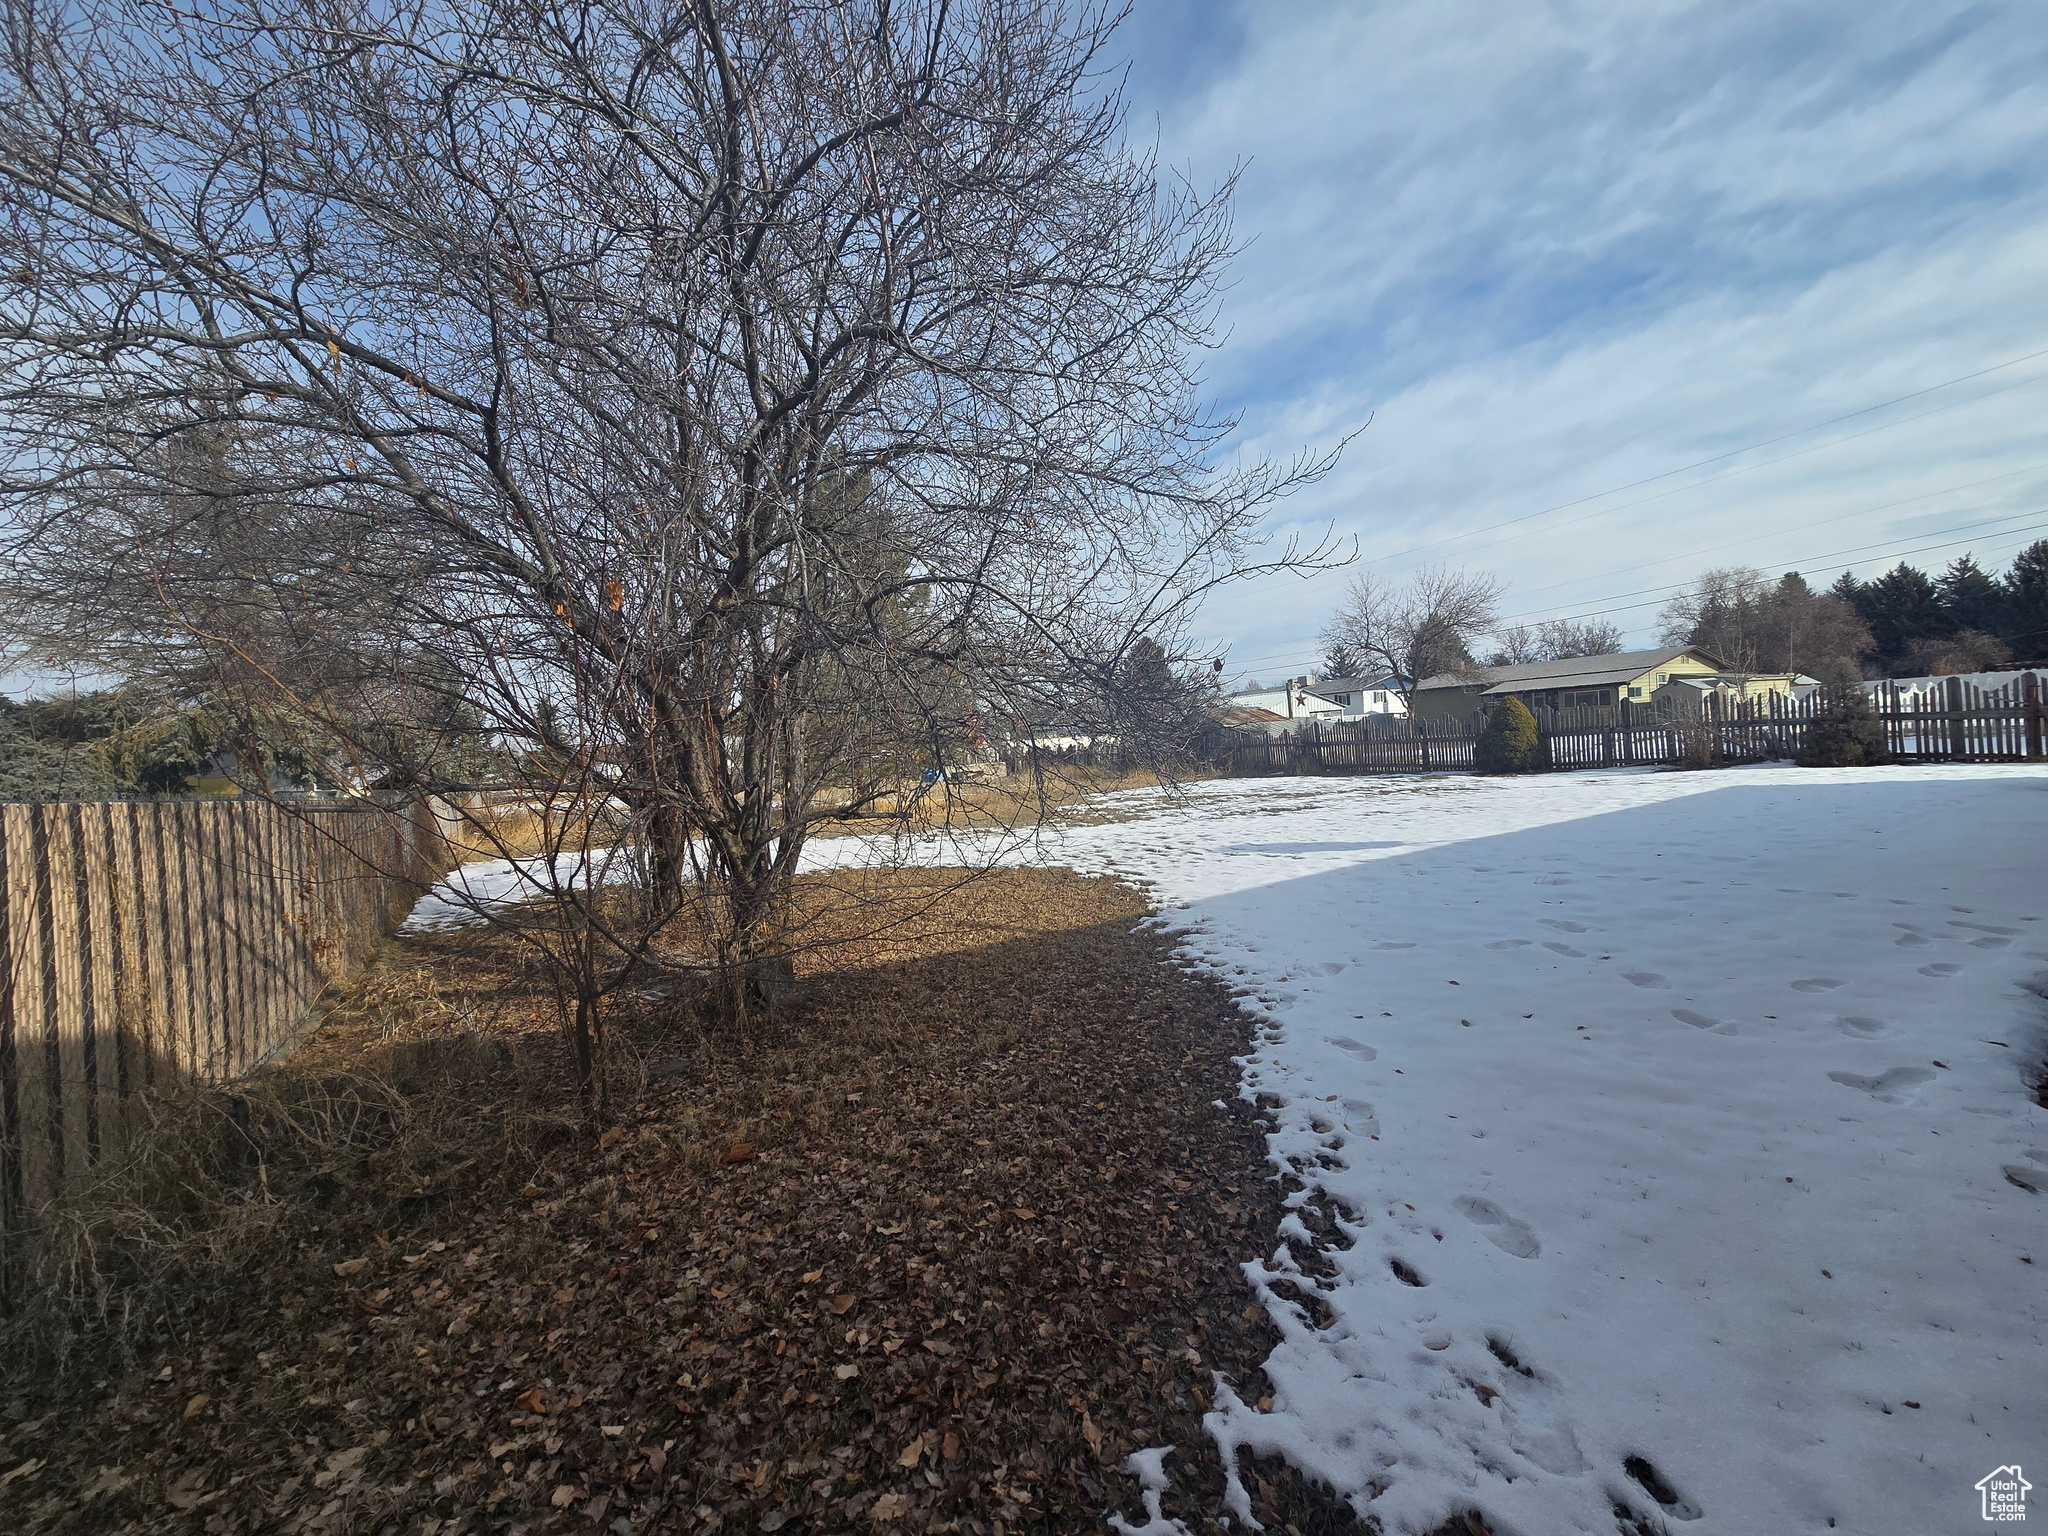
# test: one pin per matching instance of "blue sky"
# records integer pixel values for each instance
(1552, 250)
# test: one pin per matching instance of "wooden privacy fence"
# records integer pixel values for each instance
(1961, 724)
(151, 943)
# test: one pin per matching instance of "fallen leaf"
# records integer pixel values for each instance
(611, 1431)
(890, 1506)
(1116, 1316)
(187, 1492)
(26, 1469)
(951, 1449)
(774, 1520)
(913, 1453)
(738, 1152)
(348, 1460)
(530, 1400)
(349, 1267)
(197, 1405)
(938, 1346)
(814, 1276)
(839, 1306)
(563, 1497)
(1023, 1215)
(612, 1137)
(847, 1372)
(1090, 1433)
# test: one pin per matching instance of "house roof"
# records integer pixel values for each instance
(1233, 714)
(1571, 672)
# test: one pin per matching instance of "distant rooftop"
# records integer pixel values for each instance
(1571, 672)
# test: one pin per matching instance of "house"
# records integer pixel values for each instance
(1295, 700)
(1694, 695)
(1375, 694)
(1670, 681)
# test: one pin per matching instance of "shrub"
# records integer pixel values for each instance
(1509, 744)
(1845, 732)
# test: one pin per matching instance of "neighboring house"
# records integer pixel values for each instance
(1374, 695)
(1298, 700)
(1681, 676)
(1688, 695)
(1246, 719)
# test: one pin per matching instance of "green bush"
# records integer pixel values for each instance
(1509, 744)
(1845, 733)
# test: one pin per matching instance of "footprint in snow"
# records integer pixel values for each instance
(1498, 1227)
(1509, 944)
(1818, 984)
(1866, 1029)
(1648, 979)
(1940, 968)
(1901, 1085)
(1984, 928)
(1361, 1051)
(1563, 949)
(1561, 925)
(1696, 1020)
(1392, 945)
(1912, 940)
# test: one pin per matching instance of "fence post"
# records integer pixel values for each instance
(1958, 744)
(2030, 711)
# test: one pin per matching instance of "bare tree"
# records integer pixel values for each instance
(714, 410)
(1424, 627)
(1554, 640)
(1756, 624)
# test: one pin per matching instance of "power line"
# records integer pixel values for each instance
(1735, 453)
(1819, 522)
(1678, 586)
(1801, 564)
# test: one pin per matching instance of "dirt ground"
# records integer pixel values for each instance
(934, 1250)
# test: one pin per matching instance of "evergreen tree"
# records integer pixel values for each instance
(1900, 607)
(2026, 592)
(1846, 732)
(1972, 598)
(1510, 743)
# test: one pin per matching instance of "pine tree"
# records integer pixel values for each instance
(1972, 598)
(2026, 591)
(1900, 607)
(1845, 732)
(1510, 743)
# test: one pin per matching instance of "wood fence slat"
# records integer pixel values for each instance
(103, 959)
(65, 962)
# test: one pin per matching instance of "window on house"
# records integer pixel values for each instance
(1379, 698)
(1663, 677)
(1635, 690)
(1342, 698)
(1586, 698)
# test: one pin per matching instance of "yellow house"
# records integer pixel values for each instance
(1655, 682)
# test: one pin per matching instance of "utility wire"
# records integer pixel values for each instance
(1735, 453)
(1657, 595)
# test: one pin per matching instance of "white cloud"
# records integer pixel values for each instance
(1556, 249)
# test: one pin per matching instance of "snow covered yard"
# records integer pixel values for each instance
(1663, 1135)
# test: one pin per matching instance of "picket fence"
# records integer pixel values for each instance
(151, 943)
(1965, 724)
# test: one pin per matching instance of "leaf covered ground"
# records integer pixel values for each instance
(935, 1250)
